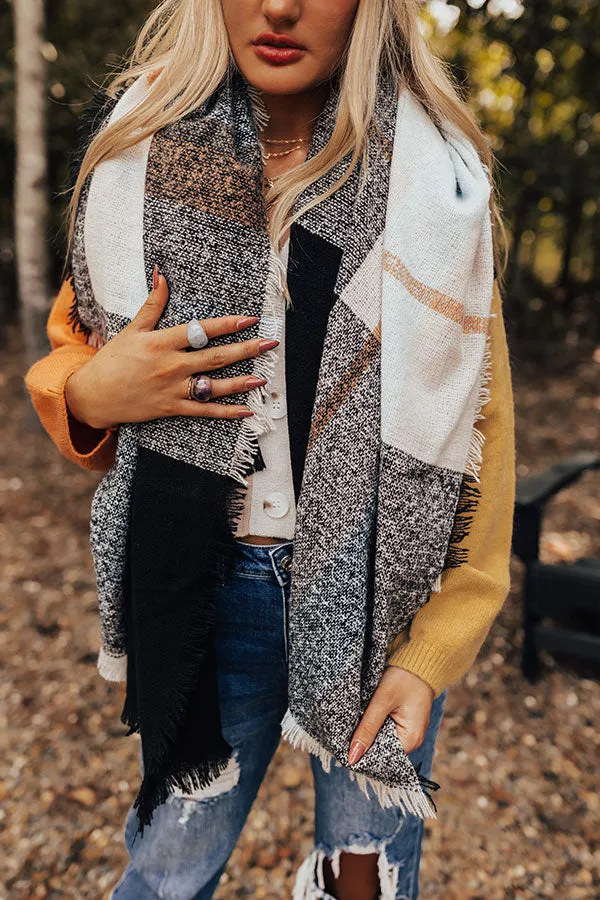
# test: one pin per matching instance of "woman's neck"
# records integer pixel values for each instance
(294, 116)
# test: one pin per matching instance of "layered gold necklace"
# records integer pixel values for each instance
(291, 145)
(294, 144)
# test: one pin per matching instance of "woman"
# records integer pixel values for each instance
(295, 523)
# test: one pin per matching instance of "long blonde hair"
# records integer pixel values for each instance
(185, 42)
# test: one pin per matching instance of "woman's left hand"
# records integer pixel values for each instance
(407, 699)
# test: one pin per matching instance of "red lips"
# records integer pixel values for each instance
(270, 39)
(278, 49)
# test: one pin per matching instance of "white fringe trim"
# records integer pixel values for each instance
(112, 668)
(408, 800)
(264, 365)
(222, 784)
(475, 451)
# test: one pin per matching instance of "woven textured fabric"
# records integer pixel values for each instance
(394, 450)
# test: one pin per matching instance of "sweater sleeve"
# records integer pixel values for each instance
(447, 633)
(89, 447)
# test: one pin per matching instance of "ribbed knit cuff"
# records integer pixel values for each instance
(428, 662)
(90, 448)
(84, 442)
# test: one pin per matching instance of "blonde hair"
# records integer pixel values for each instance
(185, 42)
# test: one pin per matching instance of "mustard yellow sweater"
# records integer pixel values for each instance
(445, 635)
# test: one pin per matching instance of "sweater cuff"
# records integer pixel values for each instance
(85, 445)
(430, 663)
(90, 448)
(84, 441)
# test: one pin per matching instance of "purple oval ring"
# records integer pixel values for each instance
(202, 388)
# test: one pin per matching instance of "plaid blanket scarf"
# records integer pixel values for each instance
(394, 450)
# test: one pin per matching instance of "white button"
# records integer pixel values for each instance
(276, 505)
(277, 405)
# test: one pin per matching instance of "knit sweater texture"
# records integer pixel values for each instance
(447, 633)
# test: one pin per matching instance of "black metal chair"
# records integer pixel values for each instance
(566, 594)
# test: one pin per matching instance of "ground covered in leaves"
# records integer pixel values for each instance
(519, 810)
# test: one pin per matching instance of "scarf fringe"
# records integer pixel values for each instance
(469, 494)
(474, 453)
(264, 366)
(73, 317)
(468, 500)
(112, 668)
(235, 505)
(155, 790)
(416, 802)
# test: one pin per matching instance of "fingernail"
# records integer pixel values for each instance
(245, 321)
(268, 345)
(253, 381)
(357, 748)
(155, 278)
(245, 413)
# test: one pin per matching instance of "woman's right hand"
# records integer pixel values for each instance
(142, 373)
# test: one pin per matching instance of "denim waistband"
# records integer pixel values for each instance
(265, 560)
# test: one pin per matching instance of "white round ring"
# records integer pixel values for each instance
(196, 335)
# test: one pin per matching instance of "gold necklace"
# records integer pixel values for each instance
(266, 155)
(283, 141)
(296, 144)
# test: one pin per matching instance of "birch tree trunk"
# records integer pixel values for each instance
(31, 199)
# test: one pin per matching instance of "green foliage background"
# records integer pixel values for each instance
(533, 80)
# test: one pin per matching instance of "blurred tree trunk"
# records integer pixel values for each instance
(31, 199)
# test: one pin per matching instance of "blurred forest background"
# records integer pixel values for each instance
(529, 68)
(519, 805)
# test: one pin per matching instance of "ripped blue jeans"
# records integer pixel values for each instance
(183, 853)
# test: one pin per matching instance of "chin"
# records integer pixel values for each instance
(279, 80)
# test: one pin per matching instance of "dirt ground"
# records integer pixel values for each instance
(519, 810)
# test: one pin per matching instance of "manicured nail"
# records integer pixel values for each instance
(245, 321)
(357, 748)
(155, 278)
(254, 382)
(268, 345)
(245, 413)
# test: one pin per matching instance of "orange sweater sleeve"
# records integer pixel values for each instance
(90, 448)
(447, 633)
